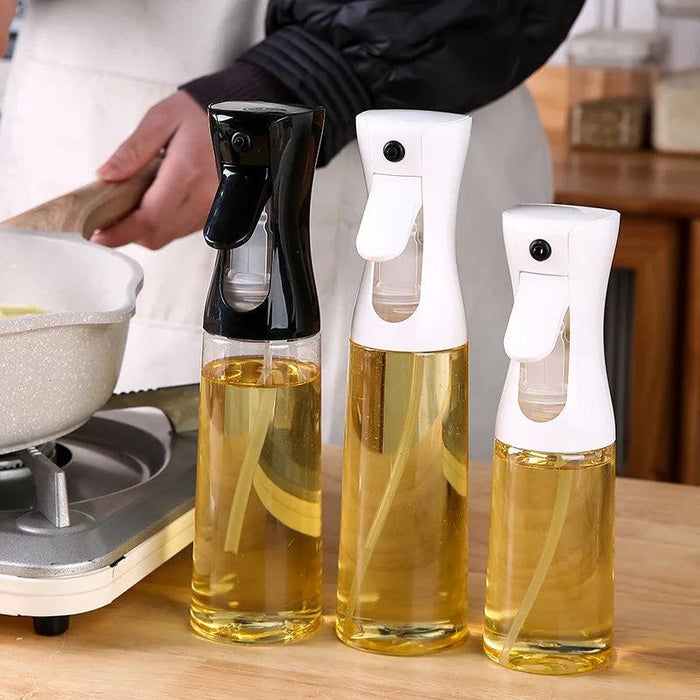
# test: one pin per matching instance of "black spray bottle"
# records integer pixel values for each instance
(257, 549)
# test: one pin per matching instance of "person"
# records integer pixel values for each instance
(84, 73)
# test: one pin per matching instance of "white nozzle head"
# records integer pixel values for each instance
(411, 143)
(559, 259)
(413, 163)
(538, 242)
(400, 149)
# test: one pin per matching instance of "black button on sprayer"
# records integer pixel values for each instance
(240, 142)
(394, 151)
(540, 250)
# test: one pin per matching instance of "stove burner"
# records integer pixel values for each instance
(14, 461)
(17, 484)
(92, 469)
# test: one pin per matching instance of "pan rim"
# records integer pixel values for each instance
(50, 319)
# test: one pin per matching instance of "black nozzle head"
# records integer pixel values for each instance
(540, 250)
(242, 132)
(265, 155)
(394, 151)
(249, 139)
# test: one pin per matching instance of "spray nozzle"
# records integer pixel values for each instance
(237, 206)
(538, 338)
(391, 237)
(390, 215)
(541, 302)
(263, 286)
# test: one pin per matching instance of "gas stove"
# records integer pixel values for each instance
(85, 518)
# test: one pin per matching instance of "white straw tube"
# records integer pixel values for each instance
(261, 425)
(395, 473)
(556, 526)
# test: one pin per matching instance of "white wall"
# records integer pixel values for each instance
(634, 14)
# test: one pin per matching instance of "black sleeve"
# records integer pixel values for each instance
(242, 81)
(447, 55)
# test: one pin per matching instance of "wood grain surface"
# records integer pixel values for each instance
(88, 208)
(651, 247)
(141, 646)
(690, 385)
(641, 182)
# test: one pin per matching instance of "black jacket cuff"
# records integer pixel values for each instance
(242, 81)
(315, 74)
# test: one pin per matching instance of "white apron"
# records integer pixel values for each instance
(83, 75)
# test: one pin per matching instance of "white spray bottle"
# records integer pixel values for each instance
(549, 591)
(403, 545)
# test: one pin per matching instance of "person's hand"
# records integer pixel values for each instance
(7, 13)
(178, 201)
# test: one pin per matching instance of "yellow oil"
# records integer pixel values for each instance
(14, 311)
(549, 582)
(257, 547)
(402, 574)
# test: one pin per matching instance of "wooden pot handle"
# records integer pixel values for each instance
(88, 208)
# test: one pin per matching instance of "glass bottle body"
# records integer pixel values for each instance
(549, 581)
(402, 575)
(257, 548)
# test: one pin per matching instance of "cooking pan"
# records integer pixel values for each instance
(58, 367)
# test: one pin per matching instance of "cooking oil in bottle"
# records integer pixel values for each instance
(257, 550)
(549, 578)
(402, 575)
(549, 583)
(402, 564)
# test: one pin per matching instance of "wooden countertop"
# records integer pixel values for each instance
(643, 182)
(141, 646)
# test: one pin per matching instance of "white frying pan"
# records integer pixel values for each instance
(58, 368)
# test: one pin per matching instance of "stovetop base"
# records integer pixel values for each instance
(129, 475)
(70, 595)
(128, 507)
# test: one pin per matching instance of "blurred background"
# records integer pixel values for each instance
(639, 15)
(14, 31)
(620, 102)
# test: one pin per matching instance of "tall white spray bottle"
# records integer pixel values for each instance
(402, 584)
